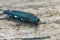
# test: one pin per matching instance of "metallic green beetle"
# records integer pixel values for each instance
(23, 16)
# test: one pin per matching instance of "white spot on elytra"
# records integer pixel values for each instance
(10, 10)
(15, 16)
(21, 19)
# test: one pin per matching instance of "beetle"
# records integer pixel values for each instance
(23, 16)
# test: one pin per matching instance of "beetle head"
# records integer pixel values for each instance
(35, 20)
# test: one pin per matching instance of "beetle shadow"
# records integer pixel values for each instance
(19, 23)
(1, 14)
(37, 38)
